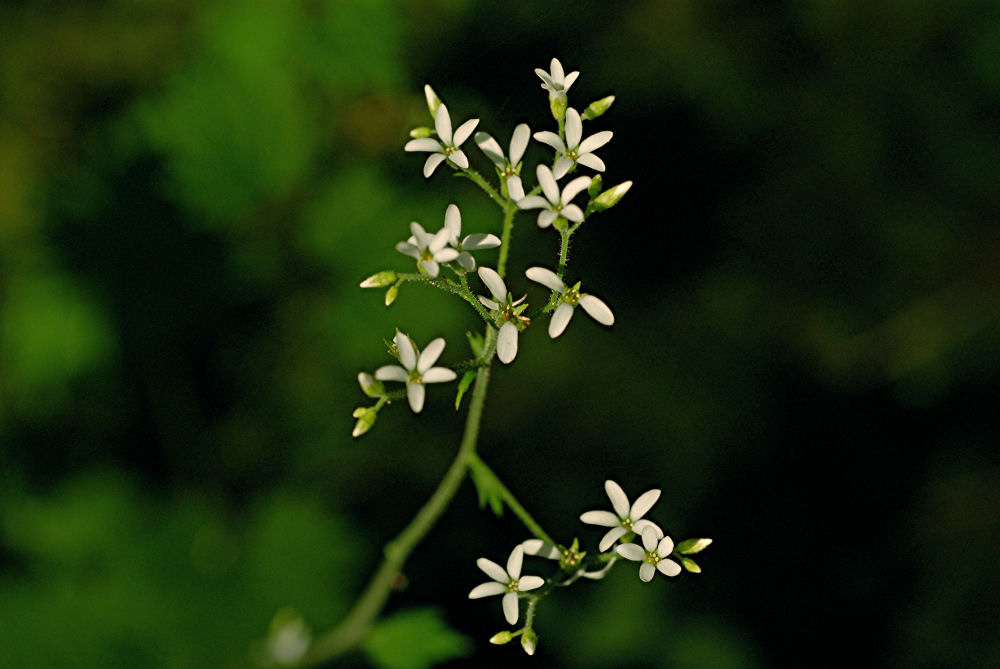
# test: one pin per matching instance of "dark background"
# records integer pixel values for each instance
(805, 277)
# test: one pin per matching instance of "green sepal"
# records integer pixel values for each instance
(476, 343)
(595, 186)
(529, 641)
(487, 487)
(519, 309)
(690, 565)
(463, 385)
(597, 108)
(692, 546)
(391, 295)
(558, 104)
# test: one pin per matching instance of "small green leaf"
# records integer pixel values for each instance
(463, 385)
(487, 487)
(690, 565)
(414, 639)
(476, 343)
(692, 546)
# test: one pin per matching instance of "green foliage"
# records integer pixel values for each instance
(414, 639)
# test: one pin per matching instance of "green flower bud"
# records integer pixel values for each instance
(529, 640)
(610, 197)
(366, 418)
(501, 638)
(379, 279)
(370, 385)
(597, 108)
(433, 101)
(595, 186)
(558, 104)
(422, 131)
(692, 546)
(690, 565)
(390, 295)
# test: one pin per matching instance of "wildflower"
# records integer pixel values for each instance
(625, 519)
(429, 250)
(416, 371)
(569, 298)
(474, 242)
(554, 204)
(506, 309)
(573, 151)
(509, 168)
(446, 146)
(507, 582)
(555, 81)
(653, 554)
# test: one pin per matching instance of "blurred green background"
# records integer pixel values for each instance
(806, 277)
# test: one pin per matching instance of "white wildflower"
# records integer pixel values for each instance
(555, 204)
(625, 518)
(573, 150)
(507, 582)
(569, 298)
(555, 81)
(473, 242)
(446, 145)
(416, 371)
(506, 309)
(653, 554)
(429, 250)
(509, 167)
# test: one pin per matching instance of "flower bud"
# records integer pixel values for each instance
(366, 418)
(421, 131)
(379, 279)
(390, 295)
(690, 565)
(529, 640)
(610, 197)
(595, 186)
(558, 103)
(501, 638)
(692, 546)
(433, 101)
(597, 108)
(370, 385)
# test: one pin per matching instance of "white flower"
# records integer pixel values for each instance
(505, 308)
(509, 168)
(474, 242)
(574, 151)
(416, 371)
(556, 82)
(429, 250)
(448, 145)
(555, 204)
(653, 554)
(506, 582)
(569, 298)
(625, 519)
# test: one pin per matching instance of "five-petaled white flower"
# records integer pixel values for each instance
(506, 309)
(625, 519)
(508, 167)
(568, 299)
(473, 242)
(416, 371)
(428, 249)
(573, 150)
(555, 81)
(506, 582)
(653, 554)
(448, 145)
(555, 204)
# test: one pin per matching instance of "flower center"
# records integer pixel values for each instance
(448, 150)
(652, 557)
(573, 154)
(415, 377)
(627, 523)
(512, 586)
(572, 296)
(426, 256)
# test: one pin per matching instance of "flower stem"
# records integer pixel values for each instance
(510, 500)
(475, 177)
(563, 252)
(508, 226)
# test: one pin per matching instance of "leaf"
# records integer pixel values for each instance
(487, 487)
(414, 639)
(463, 385)
(692, 546)
(476, 343)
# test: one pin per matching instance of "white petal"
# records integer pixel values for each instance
(493, 282)
(408, 249)
(526, 583)
(533, 202)
(488, 303)
(613, 535)
(646, 572)
(392, 373)
(649, 538)
(479, 241)
(464, 131)
(424, 144)
(617, 496)
(546, 277)
(442, 123)
(639, 526)
(570, 78)
(420, 236)
(560, 319)
(546, 79)
(438, 375)
(548, 183)
(507, 343)
(493, 570)
(487, 590)
(645, 502)
(574, 187)
(602, 518)
(546, 217)
(631, 552)
(439, 240)
(510, 607)
(668, 567)
(572, 213)
(415, 395)
(514, 188)
(430, 354)
(453, 221)
(574, 128)
(519, 142)
(514, 562)
(595, 141)
(431, 267)
(556, 69)
(665, 547)
(460, 159)
(597, 310)
(446, 255)
(432, 163)
(552, 139)
(602, 572)
(561, 168)
(539, 548)
(466, 260)
(591, 161)
(489, 146)
(407, 355)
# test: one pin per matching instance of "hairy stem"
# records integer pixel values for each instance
(475, 177)
(508, 226)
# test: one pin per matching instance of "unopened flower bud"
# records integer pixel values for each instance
(692, 546)
(433, 101)
(370, 385)
(501, 638)
(529, 640)
(366, 418)
(690, 565)
(421, 131)
(379, 279)
(390, 295)
(597, 108)
(610, 197)
(595, 186)
(558, 104)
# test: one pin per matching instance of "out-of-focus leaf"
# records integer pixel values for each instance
(414, 639)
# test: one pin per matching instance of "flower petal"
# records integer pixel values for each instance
(464, 131)
(466, 260)
(493, 570)
(612, 535)
(408, 249)
(668, 567)
(392, 373)
(572, 213)
(415, 395)
(602, 572)
(510, 607)
(639, 527)
(552, 139)
(546, 79)
(546, 277)
(432, 163)
(560, 319)
(488, 303)
(665, 547)
(489, 146)
(431, 267)
(533, 202)
(649, 538)
(439, 240)
(430, 354)
(407, 355)
(574, 128)
(556, 69)
(493, 281)
(617, 496)
(424, 144)
(446, 255)
(602, 518)
(597, 310)
(420, 236)
(438, 375)
(570, 78)
(460, 159)
(595, 141)
(487, 590)
(526, 583)
(539, 548)
(646, 572)
(518, 143)
(645, 502)
(561, 168)
(514, 562)
(548, 183)
(574, 188)
(632, 552)
(546, 217)
(479, 241)
(507, 343)
(453, 221)
(442, 123)
(592, 161)
(514, 188)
